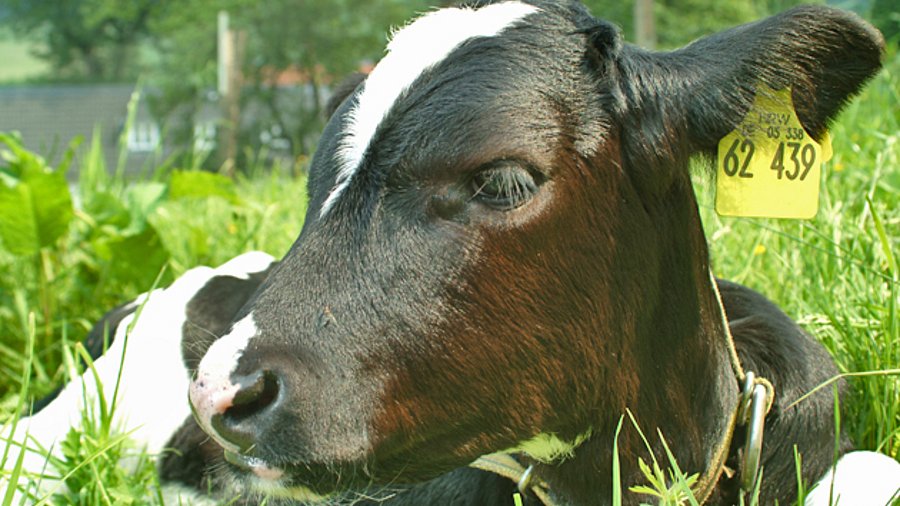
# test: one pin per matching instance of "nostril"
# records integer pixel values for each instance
(255, 394)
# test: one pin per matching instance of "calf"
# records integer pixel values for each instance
(503, 253)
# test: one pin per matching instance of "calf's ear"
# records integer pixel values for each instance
(341, 91)
(690, 98)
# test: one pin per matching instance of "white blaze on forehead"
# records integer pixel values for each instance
(412, 50)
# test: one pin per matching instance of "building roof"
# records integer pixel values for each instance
(48, 117)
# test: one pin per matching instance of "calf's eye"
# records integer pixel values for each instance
(504, 187)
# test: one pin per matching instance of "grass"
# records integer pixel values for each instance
(837, 274)
(174, 221)
(122, 238)
(67, 266)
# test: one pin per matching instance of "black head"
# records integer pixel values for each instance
(501, 231)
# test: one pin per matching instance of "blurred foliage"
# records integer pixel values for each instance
(172, 47)
(886, 16)
(35, 205)
(84, 39)
(69, 253)
(338, 36)
(317, 41)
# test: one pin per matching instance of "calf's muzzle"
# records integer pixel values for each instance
(230, 408)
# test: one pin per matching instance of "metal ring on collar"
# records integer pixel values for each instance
(525, 480)
(746, 397)
(753, 446)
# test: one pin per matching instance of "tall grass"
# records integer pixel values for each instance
(837, 274)
(119, 238)
(85, 259)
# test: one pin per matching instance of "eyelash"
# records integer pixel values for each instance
(505, 187)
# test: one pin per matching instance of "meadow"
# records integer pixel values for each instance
(63, 265)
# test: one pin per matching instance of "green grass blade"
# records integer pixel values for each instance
(137, 315)
(833, 379)
(616, 471)
(20, 407)
(798, 470)
(883, 238)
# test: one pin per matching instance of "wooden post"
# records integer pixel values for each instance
(224, 50)
(644, 26)
(230, 83)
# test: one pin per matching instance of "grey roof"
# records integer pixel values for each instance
(49, 116)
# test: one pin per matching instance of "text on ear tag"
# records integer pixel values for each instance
(769, 166)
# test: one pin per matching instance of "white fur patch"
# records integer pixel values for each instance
(222, 357)
(151, 402)
(242, 266)
(212, 392)
(858, 478)
(413, 50)
(277, 489)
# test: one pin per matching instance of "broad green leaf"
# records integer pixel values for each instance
(141, 200)
(18, 229)
(106, 209)
(52, 204)
(18, 159)
(137, 258)
(35, 211)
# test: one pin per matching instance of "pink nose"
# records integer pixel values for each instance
(210, 397)
(226, 410)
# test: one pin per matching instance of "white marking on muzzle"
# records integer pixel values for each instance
(413, 50)
(212, 392)
(222, 357)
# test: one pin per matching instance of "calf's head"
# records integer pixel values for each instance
(501, 241)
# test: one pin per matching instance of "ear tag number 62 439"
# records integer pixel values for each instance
(769, 166)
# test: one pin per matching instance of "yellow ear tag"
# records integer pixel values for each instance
(769, 166)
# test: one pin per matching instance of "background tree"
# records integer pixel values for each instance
(84, 39)
(171, 46)
(180, 70)
(316, 42)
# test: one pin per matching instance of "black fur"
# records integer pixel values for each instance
(768, 342)
(210, 312)
(457, 327)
